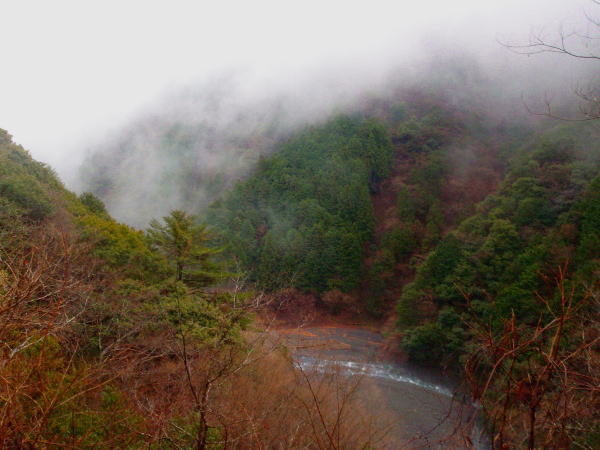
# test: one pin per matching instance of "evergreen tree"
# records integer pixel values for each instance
(184, 243)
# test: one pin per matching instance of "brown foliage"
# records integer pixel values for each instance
(44, 286)
(164, 387)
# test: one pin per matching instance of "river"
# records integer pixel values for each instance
(416, 407)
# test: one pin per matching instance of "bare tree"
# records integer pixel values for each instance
(539, 384)
(44, 385)
(581, 42)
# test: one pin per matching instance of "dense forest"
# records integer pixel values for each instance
(304, 216)
(510, 295)
(470, 273)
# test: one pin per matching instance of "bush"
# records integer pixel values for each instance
(425, 344)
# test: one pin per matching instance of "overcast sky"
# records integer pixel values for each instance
(73, 69)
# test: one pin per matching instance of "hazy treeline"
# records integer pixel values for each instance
(188, 148)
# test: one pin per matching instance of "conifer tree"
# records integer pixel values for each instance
(184, 243)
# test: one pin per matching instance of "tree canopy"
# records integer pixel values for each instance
(184, 243)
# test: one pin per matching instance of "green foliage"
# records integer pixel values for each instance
(429, 176)
(25, 184)
(441, 263)
(559, 151)
(31, 191)
(91, 302)
(304, 215)
(436, 343)
(425, 344)
(433, 225)
(380, 271)
(401, 241)
(419, 202)
(185, 245)
(586, 213)
(406, 307)
(422, 136)
(93, 204)
(122, 248)
(109, 419)
(200, 317)
(27, 193)
(407, 206)
(494, 265)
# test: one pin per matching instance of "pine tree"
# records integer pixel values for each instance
(184, 243)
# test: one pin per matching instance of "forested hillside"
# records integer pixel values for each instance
(300, 225)
(478, 239)
(468, 270)
(110, 337)
(303, 217)
(539, 220)
(511, 295)
(339, 209)
(191, 148)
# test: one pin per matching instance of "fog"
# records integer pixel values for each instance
(83, 79)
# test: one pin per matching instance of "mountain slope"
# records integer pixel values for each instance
(105, 344)
(511, 295)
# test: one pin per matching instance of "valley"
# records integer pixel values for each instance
(405, 258)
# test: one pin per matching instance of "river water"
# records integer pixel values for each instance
(417, 408)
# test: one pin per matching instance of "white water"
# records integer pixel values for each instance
(384, 371)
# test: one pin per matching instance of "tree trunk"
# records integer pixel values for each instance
(203, 426)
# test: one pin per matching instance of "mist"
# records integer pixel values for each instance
(133, 100)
